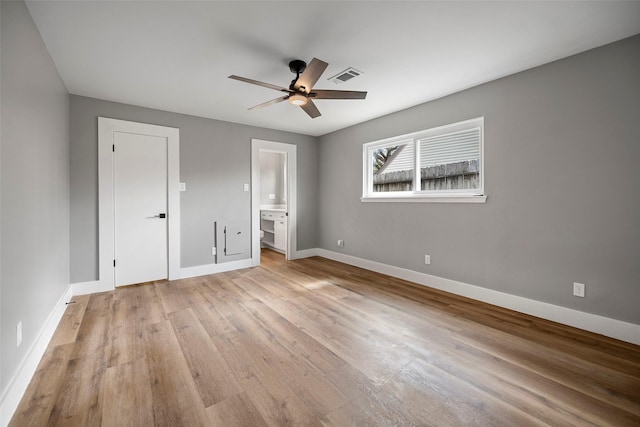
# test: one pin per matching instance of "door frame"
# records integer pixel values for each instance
(106, 223)
(258, 145)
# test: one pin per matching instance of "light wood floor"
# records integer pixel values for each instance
(315, 342)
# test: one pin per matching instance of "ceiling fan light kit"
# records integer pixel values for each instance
(301, 89)
(297, 99)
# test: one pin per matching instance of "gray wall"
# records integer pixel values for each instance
(35, 185)
(562, 147)
(272, 178)
(215, 162)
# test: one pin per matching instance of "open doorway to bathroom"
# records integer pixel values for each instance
(273, 198)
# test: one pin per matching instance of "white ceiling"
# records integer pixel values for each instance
(177, 55)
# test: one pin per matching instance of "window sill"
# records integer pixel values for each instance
(448, 198)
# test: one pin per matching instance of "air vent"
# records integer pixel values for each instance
(345, 75)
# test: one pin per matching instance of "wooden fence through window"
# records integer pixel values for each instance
(451, 176)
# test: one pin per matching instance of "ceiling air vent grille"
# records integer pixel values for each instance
(345, 75)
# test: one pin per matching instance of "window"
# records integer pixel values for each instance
(440, 164)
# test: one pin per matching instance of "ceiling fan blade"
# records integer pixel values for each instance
(273, 101)
(256, 82)
(337, 94)
(311, 109)
(310, 75)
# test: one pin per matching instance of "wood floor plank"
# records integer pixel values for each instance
(267, 388)
(43, 391)
(568, 370)
(208, 368)
(236, 411)
(316, 325)
(428, 392)
(176, 295)
(630, 365)
(126, 395)
(225, 298)
(78, 402)
(144, 302)
(69, 325)
(213, 322)
(296, 341)
(371, 348)
(304, 380)
(315, 342)
(175, 397)
(133, 308)
(370, 404)
(93, 333)
(208, 307)
(124, 338)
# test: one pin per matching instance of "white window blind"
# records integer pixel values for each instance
(450, 148)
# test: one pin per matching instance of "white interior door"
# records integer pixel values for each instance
(140, 208)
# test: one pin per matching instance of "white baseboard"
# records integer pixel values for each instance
(203, 270)
(305, 253)
(17, 386)
(184, 273)
(92, 287)
(613, 328)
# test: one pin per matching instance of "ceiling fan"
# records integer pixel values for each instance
(300, 91)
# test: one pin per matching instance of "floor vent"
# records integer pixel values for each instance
(345, 75)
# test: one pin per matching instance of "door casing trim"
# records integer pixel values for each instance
(106, 226)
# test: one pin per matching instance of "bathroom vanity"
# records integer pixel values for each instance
(273, 223)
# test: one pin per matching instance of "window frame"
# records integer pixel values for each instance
(417, 195)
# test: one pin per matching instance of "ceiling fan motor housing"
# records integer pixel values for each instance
(297, 66)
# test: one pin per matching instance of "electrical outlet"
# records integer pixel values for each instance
(19, 333)
(427, 259)
(183, 186)
(213, 251)
(578, 289)
(245, 187)
(341, 243)
(272, 196)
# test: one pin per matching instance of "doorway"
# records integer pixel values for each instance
(139, 211)
(273, 200)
